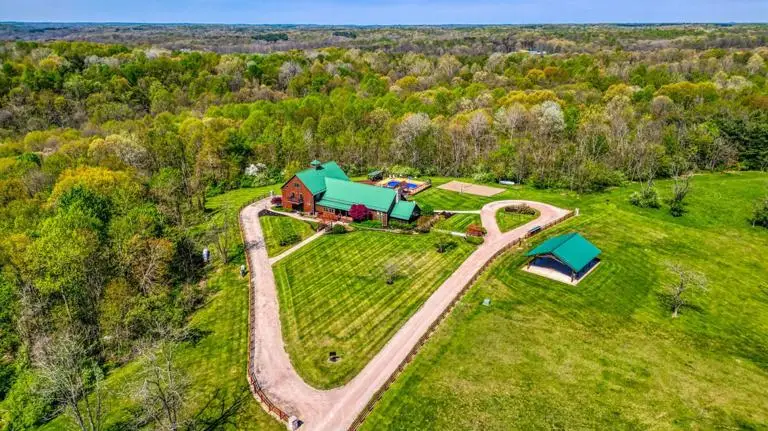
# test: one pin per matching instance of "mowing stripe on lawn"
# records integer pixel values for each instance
(333, 297)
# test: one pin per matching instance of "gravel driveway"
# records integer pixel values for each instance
(337, 409)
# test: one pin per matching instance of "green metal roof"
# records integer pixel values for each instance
(341, 194)
(572, 249)
(314, 178)
(330, 203)
(403, 210)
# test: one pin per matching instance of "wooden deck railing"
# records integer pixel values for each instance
(377, 396)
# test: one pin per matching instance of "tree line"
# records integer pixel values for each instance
(109, 153)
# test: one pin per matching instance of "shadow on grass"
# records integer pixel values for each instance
(666, 300)
(194, 335)
(221, 411)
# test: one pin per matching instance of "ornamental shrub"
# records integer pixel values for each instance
(476, 230)
(760, 214)
(359, 212)
(520, 209)
(338, 229)
(475, 240)
(648, 197)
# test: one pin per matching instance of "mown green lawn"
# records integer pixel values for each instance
(449, 200)
(606, 354)
(224, 208)
(276, 228)
(334, 297)
(236, 198)
(215, 366)
(458, 222)
(509, 220)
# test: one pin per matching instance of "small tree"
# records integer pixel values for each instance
(391, 272)
(760, 214)
(222, 235)
(685, 280)
(680, 189)
(222, 239)
(359, 212)
(647, 197)
(443, 242)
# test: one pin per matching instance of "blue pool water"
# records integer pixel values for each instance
(393, 184)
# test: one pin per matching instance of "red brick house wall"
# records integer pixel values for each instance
(333, 214)
(297, 196)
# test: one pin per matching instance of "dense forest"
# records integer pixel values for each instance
(109, 151)
(424, 39)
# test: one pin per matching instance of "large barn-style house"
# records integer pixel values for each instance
(325, 190)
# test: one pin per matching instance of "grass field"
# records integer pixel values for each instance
(277, 227)
(334, 297)
(508, 221)
(606, 354)
(458, 222)
(215, 365)
(226, 206)
(448, 200)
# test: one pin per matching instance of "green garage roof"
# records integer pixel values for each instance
(314, 178)
(342, 195)
(572, 249)
(403, 210)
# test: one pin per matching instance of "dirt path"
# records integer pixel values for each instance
(337, 409)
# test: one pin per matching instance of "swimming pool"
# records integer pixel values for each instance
(393, 184)
(411, 186)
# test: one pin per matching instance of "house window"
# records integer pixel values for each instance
(296, 185)
(293, 195)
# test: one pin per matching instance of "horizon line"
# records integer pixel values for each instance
(620, 23)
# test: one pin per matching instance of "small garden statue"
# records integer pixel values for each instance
(242, 270)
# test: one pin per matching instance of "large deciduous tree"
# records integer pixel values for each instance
(71, 378)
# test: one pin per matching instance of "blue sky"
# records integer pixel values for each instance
(385, 12)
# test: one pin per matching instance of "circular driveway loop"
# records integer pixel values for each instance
(336, 409)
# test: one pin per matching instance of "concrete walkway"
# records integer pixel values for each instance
(292, 215)
(450, 232)
(337, 409)
(283, 255)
